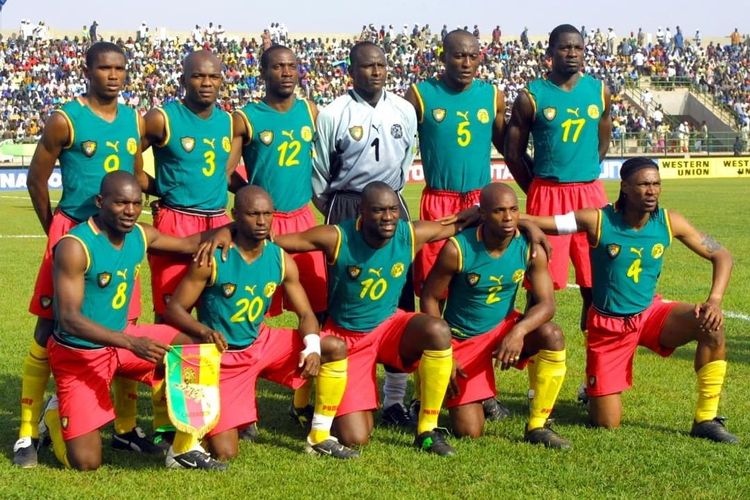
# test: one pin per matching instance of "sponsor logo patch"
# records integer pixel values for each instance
(228, 289)
(483, 116)
(593, 111)
(269, 289)
(188, 143)
(657, 251)
(518, 275)
(226, 144)
(306, 133)
(131, 146)
(397, 269)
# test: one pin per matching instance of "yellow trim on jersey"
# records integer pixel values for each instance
(460, 254)
(413, 241)
(309, 112)
(531, 100)
(419, 100)
(92, 226)
(479, 232)
(283, 263)
(138, 124)
(494, 102)
(604, 102)
(85, 248)
(249, 128)
(145, 240)
(231, 126)
(669, 224)
(598, 227)
(214, 272)
(338, 245)
(71, 128)
(166, 128)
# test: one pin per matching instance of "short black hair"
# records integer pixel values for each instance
(354, 51)
(101, 48)
(554, 37)
(629, 168)
(266, 55)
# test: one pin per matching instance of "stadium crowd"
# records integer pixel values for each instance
(38, 73)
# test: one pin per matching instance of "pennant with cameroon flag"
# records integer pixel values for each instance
(192, 386)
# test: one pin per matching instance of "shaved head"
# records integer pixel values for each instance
(196, 58)
(456, 37)
(248, 194)
(116, 182)
(491, 193)
(374, 190)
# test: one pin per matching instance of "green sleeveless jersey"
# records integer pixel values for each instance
(191, 162)
(238, 294)
(108, 279)
(566, 129)
(278, 156)
(96, 148)
(455, 134)
(626, 262)
(483, 292)
(365, 283)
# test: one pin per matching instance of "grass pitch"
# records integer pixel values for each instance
(650, 456)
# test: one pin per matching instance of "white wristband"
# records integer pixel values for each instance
(566, 224)
(312, 344)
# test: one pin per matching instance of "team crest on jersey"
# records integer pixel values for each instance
(397, 269)
(269, 289)
(613, 250)
(472, 279)
(45, 301)
(438, 114)
(131, 146)
(103, 279)
(397, 131)
(64, 422)
(306, 133)
(228, 289)
(356, 132)
(188, 143)
(483, 116)
(226, 144)
(657, 251)
(549, 113)
(353, 271)
(518, 276)
(593, 111)
(88, 148)
(266, 137)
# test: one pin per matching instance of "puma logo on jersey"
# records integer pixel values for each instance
(210, 142)
(497, 279)
(463, 114)
(250, 289)
(573, 111)
(637, 251)
(376, 272)
(114, 145)
(288, 133)
(122, 274)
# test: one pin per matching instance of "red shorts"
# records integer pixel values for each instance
(167, 269)
(474, 356)
(365, 350)
(311, 265)
(434, 205)
(554, 198)
(84, 377)
(44, 289)
(273, 356)
(612, 342)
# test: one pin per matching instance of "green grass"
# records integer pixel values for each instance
(651, 455)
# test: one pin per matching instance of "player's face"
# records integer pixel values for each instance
(461, 59)
(380, 215)
(254, 217)
(567, 54)
(501, 214)
(369, 72)
(107, 75)
(120, 209)
(282, 73)
(202, 81)
(643, 189)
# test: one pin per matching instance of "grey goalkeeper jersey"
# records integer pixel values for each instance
(358, 143)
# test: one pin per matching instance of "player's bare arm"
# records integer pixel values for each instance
(498, 126)
(155, 129)
(55, 137)
(308, 323)
(69, 269)
(517, 140)
(201, 245)
(704, 245)
(509, 349)
(583, 220)
(411, 96)
(437, 282)
(240, 138)
(178, 308)
(324, 238)
(144, 179)
(605, 125)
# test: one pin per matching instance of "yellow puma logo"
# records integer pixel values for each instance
(288, 133)
(637, 251)
(497, 279)
(376, 272)
(250, 289)
(122, 274)
(464, 115)
(114, 145)
(210, 142)
(573, 111)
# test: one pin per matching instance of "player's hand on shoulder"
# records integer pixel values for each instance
(465, 218)
(536, 237)
(222, 238)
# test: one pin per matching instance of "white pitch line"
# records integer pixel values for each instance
(22, 236)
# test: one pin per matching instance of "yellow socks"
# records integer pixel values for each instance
(710, 380)
(159, 405)
(302, 395)
(331, 385)
(52, 421)
(183, 442)
(125, 392)
(546, 376)
(434, 373)
(34, 382)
